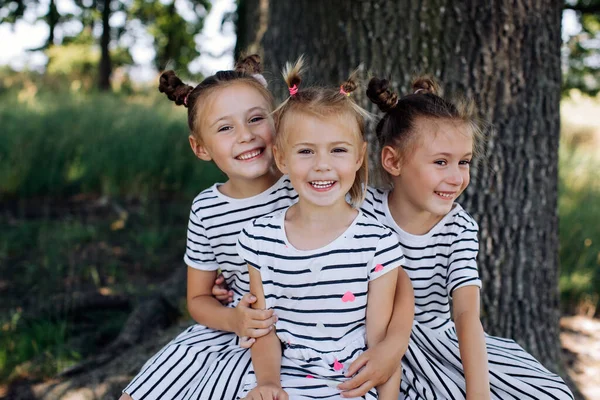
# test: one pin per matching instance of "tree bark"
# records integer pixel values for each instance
(105, 63)
(504, 54)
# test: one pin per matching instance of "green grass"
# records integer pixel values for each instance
(579, 223)
(67, 143)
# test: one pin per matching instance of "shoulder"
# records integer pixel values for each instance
(207, 199)
(266, 223)
(369, 225)
(373, 205)
(459, 221)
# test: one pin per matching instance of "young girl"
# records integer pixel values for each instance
(230, 124)
(327, 269)
(427, 145)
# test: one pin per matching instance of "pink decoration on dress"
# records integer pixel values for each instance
(378, 268)
(293, 90)
(338, 366)
(310, 377)
(348, 296)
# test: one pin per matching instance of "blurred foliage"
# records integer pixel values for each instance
(582, 50)
(579, 211)
(173, 35)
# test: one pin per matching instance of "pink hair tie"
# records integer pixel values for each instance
(293, 90)
(342, 91)
(185, 100)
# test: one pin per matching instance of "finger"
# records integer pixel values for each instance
(357, 364)
(262, 324)
(220, 279)
(246, 342)
(360, 391)
(355, 382)
(260, 315)
(246, 300)
(256, 333)
(220, 292)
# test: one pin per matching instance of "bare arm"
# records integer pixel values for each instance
(266, 352)
(208, 311)
(380, 361)
(471, 341)
(379, 311)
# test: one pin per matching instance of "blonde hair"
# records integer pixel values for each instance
(323, 103)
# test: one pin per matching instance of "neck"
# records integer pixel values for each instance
(244, 188)
(410, 217)
(327, 217)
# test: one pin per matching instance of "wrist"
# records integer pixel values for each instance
(395, 345)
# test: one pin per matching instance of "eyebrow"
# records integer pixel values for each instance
(332, 144)
(250, 110)
(450, 155)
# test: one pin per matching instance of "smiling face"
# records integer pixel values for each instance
(236, 132)
(437, 171)
(321, 155)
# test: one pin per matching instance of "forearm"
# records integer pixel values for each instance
(208, 311)
(473, 354)
(403, 314)
(266, 359)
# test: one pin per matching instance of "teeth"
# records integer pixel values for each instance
(445, 195)
(322, 184)
(249, 155)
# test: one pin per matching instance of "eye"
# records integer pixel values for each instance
(225, 128)
(258, 118)
(465, 162)
(339, 150)
(441, 162)
(305, 151)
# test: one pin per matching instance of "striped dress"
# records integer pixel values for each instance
(320, 297)
(439, 262)
(203, 363)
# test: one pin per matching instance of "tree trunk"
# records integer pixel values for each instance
(506, 55)
(105, 64)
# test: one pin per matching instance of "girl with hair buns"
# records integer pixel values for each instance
(428, 144)
(318, 261)
(229, 117)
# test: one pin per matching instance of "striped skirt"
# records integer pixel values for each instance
(432, 369)
(200, 363)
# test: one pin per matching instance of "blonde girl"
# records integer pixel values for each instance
(327, 269)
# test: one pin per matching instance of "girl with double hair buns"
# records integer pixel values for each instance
(428, 144)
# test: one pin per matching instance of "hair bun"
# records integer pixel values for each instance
(425, 84)
(379, 92)
(173, 87)
(292, 73)
(249, 64)
(351, 84)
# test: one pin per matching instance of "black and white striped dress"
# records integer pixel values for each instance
(203, 363)
(438, 263)
(320, 297)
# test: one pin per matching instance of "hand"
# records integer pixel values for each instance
(378, 364)
(221, 292)
(267, 392)
(252, 323)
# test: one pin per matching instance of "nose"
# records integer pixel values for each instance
(245, 134)
(322, 162)
(455, 176)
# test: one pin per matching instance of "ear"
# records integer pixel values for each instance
(362, 154)
(390, 160)
(199, 149)
(280, 160)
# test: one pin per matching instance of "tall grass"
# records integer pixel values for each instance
(61, 144)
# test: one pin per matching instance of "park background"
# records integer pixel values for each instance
(96, 175)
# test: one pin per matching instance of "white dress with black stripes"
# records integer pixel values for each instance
(439, 262)
(203, 363)
(320, 297)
